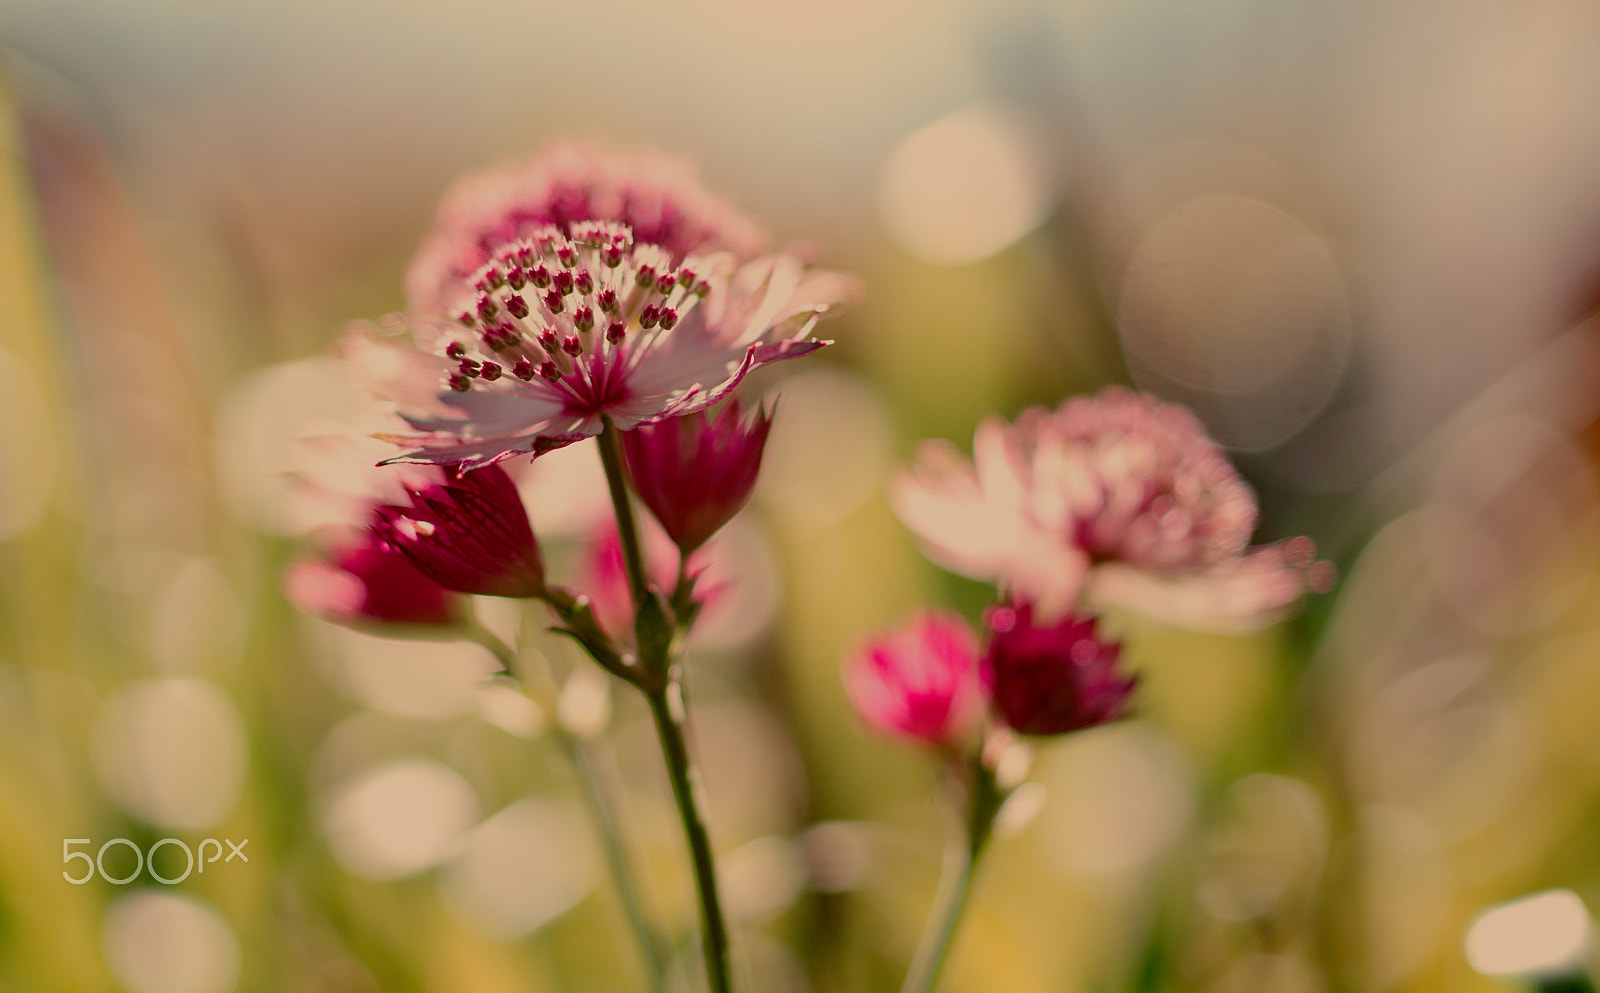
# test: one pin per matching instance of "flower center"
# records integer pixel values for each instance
(576, 312)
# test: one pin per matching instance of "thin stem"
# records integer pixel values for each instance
(668, 714)
(685, 778)
(540, 688)
(627, 532)
(616, 852)
(504, 653)
(955, 881)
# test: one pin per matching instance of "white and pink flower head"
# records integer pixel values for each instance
(560, 332)
(658, 196)
(1118, 500)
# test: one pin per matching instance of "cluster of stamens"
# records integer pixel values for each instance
(545, 302)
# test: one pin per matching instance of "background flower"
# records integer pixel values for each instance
(920, 681)
(658, 196)
(1119, 498)
(1054, 677)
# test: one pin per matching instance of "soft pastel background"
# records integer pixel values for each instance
(1359, 237)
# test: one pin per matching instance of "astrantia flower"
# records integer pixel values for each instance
(561, 333)
(1055, 677)
(1118, 499)
(695, 472)
(920, 682)
(468, 533)
(361, 581)
(657, 195)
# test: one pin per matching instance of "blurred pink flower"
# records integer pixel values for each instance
(604, 578)
(659, 196)
(920, 682)
(1053, 678)
(1118, 500)
(466, 532)
(560, 333)
(695, 472)
(361, 581)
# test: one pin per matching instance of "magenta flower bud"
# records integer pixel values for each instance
(469, 534)
(1053, 678)
(920, 682)
(367, 583)
(696, 471)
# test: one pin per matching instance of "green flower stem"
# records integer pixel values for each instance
(616, 479)
(596, 790)
(685, 781)
(599, 797)
(955, 880)
(664, 690)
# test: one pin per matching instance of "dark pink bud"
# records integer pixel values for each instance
(920, 682)
(539, 276)
(564, 281)
(367, 582)
(696, 471)
(649, 316)
(1054, 678)
(549, 370)
(523, 370)
(583, 282)
(491, 371)
(516, 305)
(469, 534)
(616, 331)
(669, 318)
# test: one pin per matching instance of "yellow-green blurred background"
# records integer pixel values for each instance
(1360, 237)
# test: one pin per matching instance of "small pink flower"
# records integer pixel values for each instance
(657, 195)
(557, 334)
(467, 532)
(364, 582)
(604, 577)
(695, 472)
(920, 682)
(1054, 678)
(1118, 500)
